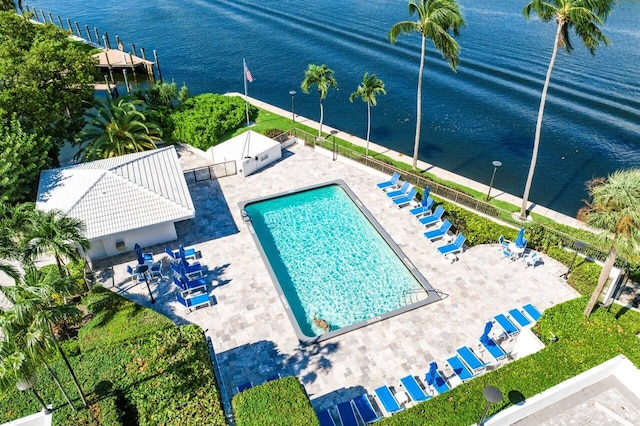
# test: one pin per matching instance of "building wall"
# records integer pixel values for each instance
(123, 242)
(247, 166)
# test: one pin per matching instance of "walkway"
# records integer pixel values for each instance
(250, 330)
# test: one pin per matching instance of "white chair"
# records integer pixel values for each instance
(532, 259)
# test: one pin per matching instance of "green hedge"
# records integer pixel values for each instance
(280, 402)
(582, 343)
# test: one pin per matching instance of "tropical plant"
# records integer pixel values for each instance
(585, 17)
(322, 77)
(34, 316)
(367, 91)
(117, 127)
(614, 208)
(436, 18)
(57, 234)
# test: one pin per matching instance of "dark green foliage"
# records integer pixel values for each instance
(280, 402)
(476, 228)
(272, 133)
(201, 120)
(22, 157)
(135, 366)
(583, 343)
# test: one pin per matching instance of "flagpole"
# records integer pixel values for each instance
(246, 97)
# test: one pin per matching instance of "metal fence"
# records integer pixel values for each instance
(214, 171)
(447, 193)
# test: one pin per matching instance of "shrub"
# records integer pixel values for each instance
(272, 133)
(201, 120)
(276, 403)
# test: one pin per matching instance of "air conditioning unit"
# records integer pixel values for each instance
(120, 245)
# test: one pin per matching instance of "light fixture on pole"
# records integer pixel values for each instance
(293, 105)
(496, 164)
(579, 246)
(142, 269)
(335, 147)
(492, 394)
(28, 384)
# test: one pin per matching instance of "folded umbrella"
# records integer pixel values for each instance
(431, 374)
(520, 242)
(138, 251)
(485, 339)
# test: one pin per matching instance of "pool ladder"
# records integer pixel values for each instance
(409, 297)
(245, 216)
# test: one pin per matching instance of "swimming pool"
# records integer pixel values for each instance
(331, 259)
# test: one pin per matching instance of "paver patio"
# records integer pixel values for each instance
(248, 326)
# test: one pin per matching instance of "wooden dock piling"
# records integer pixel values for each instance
(60, 22)
(69, 24)
(95, 32)
(77, 28)
(155, 56)
(86, 28)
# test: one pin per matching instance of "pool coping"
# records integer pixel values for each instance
(432, 294)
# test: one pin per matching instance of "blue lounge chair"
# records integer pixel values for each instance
(194, 302)
(171, 254)
(459, 368)
(400, 192)
(347, 416)
(440, 232)
(520, 318)
(432, 218)
(494, 350)
(325, 418)
(473, 362)
(532, 311)
(393, 182)
(365, 410)
(424, 208)
(403, 201)
(388, 401)
(414, 389)
(455, 247)
(509, 328)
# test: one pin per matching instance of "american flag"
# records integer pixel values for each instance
(248, 75)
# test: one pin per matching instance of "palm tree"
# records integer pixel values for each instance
(614, 208)
(435, 19)
(367, 91)
(53, 232)
(30, 321)
(322, 77)
(117, 127)
(584, 16)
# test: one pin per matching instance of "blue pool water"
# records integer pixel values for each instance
(329, 259)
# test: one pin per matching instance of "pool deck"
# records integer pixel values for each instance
(248, 326)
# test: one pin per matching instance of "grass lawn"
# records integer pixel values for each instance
(135, 367)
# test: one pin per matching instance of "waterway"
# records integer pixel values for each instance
(484, 112)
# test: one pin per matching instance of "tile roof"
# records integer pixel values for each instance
(119, 194)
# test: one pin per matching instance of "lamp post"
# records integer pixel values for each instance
(335, 147)
(578, 245)
(492, 394)
(142, 269)
(27, 384)
(293, 105)
(496, 164)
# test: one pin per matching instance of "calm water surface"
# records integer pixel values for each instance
(486, 111)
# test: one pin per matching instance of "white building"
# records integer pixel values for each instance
(250, 150)
(134, 198)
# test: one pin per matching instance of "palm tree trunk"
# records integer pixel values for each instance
(60, 269)
(55, 379)
(368, 126)
(416, 144)
(73, 376)
(602, 279)
(321, 118)
(536, 141)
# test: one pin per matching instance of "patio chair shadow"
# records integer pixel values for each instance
(337, 396)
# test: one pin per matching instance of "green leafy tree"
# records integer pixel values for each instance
(323, 77)
(117, 127)
(614, 208)
(32, 320)
(46, 82)
(436, 18)
(200, 121)
(22, 158)
(367, 91)
(585, 17)
(54, 233)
